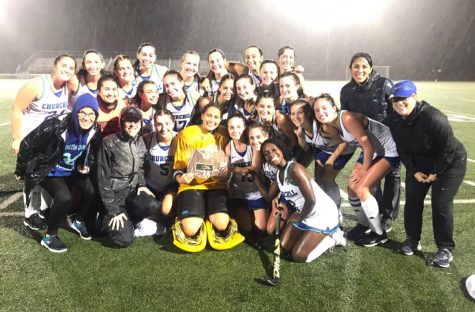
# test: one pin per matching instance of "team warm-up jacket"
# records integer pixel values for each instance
(425, 141)
(370, 99)
(120, 163)
(43, 148)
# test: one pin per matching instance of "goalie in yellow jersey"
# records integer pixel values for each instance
(201, 169)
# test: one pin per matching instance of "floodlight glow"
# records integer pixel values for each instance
(329, 14)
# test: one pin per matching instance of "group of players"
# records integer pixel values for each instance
(147, 148)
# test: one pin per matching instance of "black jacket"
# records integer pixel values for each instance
(425, 141)
(370, 99)
(120, 162)
(43, 148)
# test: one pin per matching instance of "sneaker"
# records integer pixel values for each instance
(373, 239)
(339, 238)
(358, 232)
(81, 228)
(34, 222)
(442, 259)
(409, 246)
(53, 243)
(146, 227)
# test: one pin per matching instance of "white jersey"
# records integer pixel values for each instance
(324, 214)
(147, 123)
(160, 165)
(326, 144)
(256, 78)
(193, 89)
(128, 95)
(51, 103)
(182, 114)
(214, 86)
(269, 171)
(378, 134)
(154, 76)
(237, 187)
(82, 89)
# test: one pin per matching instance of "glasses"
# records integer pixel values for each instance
(90, 116)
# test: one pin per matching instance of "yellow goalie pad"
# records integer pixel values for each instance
(227, 240)
(189, 244)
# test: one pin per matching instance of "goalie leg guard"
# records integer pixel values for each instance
(224, 240)
(189, 244)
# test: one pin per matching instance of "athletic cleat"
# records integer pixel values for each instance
(339, 238)
(442, 259)
(34, 222)
(53, 243)
(80, 228)
(146, 227)
(372, 239)
(409, 246)
(358, 232)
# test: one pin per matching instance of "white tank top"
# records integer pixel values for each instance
(147, 123)
(269, 171)
(160, 161)
(293, 196)
(378, 134)
(326, 144)
(182, 114)
(153, 77)
(237, 187)
(52, 103)
(128, 96)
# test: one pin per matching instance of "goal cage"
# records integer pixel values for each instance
(383, 70)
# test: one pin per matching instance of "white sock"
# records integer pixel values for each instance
(46, 200)
(370, 208)
(359, 213)
(35, 201)
(323, 246)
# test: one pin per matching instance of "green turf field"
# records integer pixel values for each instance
(152, 275)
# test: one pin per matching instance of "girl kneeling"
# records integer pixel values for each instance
(314, 227)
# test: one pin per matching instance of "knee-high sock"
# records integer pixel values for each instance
(370, 208)
(360, 215)
(324, 245)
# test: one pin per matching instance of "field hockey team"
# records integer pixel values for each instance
(223, 158)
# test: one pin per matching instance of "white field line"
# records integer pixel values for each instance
(469, 182)
(5, 124)
(10, 200)
(11, 214)
(471, 160)
(427, 202)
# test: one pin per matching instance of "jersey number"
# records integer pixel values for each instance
(164, 169)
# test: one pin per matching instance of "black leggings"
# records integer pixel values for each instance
(60, 190)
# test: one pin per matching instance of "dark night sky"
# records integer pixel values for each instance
(413, 37)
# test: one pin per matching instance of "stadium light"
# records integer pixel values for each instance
(324, 14)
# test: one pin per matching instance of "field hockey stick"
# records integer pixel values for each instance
(275, 279)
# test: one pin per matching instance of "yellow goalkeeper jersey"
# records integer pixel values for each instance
(190, 139)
